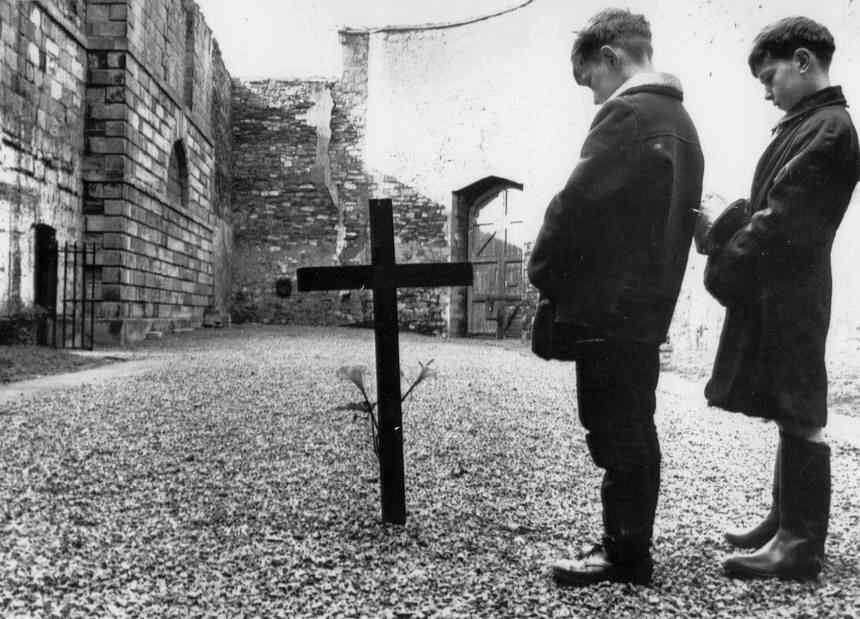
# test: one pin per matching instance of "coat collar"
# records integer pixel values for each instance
(822, 98)
(650, 81)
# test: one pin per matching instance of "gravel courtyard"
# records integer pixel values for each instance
(222, 482)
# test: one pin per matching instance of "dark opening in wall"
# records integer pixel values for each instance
(177, 176)
(45, 279)
(284, 287)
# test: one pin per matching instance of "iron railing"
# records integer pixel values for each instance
(74, 316)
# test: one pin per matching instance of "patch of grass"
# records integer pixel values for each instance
(23, 362)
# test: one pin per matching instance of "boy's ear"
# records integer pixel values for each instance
(803, 57)
(609, 55)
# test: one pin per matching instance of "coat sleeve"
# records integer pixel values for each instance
(605, 169)
(793, 220)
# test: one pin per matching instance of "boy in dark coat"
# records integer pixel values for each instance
(611, 254)
(773, 275)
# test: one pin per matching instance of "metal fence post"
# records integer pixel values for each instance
(75, 294)
(65, 286)
(93, 299)
(83, 295)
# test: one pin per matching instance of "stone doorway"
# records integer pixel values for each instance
(481, 232)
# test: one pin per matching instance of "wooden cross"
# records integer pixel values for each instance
(384, 276)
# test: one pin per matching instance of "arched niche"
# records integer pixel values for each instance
(177, 177)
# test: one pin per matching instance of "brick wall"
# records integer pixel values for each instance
(42, 60)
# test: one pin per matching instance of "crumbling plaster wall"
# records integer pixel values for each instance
(284, 214)
(301, 190)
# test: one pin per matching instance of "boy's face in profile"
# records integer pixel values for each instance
(598, 75)
(783, 81)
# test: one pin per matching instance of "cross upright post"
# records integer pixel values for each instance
(384, 276)
(386, 327)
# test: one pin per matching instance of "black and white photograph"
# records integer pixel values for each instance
(423, 310)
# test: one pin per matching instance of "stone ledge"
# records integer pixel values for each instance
(68, 27)
(125, 331)
(121, 332)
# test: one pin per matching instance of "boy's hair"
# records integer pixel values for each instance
(781, 39)
(629, 31)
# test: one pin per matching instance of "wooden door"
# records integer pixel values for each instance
(498, 269)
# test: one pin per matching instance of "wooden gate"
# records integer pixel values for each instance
(496, 295)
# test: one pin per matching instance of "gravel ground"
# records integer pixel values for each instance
(225, 484)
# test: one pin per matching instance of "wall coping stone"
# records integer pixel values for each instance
(69, 28)
(435, 26)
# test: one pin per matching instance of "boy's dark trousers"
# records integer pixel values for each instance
(616, 383)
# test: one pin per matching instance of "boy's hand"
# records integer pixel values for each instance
(711, 207)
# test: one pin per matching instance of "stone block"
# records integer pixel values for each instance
(107, 29)
(118, 12)
(106, 111)
(107, 77)
(121, 332)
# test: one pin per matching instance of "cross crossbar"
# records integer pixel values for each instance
(374, 277)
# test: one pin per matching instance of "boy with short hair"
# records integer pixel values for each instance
(611, 255)
(774, 277)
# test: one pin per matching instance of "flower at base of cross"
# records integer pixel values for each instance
(356, 375)
(425, 373)
(353, 373)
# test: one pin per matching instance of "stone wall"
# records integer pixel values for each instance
(284, 214)
(301, 190)
(116, 133)
(42, 82)
(150, 100)
(221, 120)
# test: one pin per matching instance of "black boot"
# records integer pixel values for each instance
(797, 549)
(766, 529)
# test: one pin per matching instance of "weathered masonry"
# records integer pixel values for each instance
(309, 154)
(115, 132)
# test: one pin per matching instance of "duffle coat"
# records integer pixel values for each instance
(774, 275)
(614, 243)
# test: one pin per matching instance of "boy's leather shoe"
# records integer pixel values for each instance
(595, 566)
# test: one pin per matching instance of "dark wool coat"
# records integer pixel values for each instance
(774, 274)
(614, 243)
